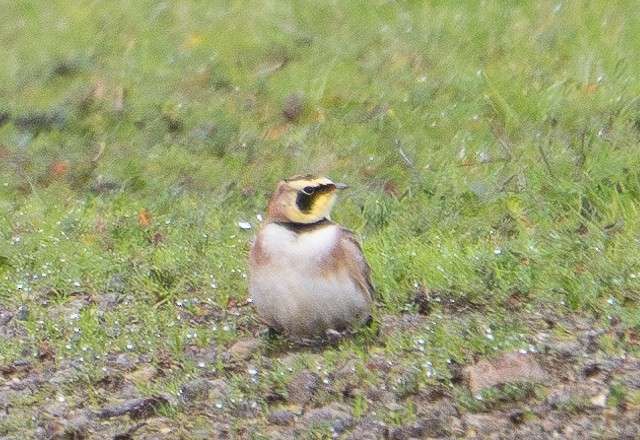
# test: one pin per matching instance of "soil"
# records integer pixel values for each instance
(574, 388)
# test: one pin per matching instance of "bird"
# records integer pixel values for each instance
(308, 277)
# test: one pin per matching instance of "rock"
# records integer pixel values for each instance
(128, 391)
(5, 317)
(429, 427)
(153, 428)
(436, 419)
(141, 407)
(218, 389)
(126, 360)
(510, 367)
(565, 348)
(281, 417)
(145, 374)
(337, 414)
(379, 363)
(384, 397)
(142, 375)
(369, 429)
(197, 389)
(398, 434)
(576, 393)
(244, 349)
(599, 400)
(78, 426)
(302, 386)
(159, 425)
(55, 410)
(23, 313)
(63, 376)
(483, 425)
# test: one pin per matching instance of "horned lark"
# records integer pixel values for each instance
(307, 275)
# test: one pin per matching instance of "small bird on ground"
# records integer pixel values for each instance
(308, 277)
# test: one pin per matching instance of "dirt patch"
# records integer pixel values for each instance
(511, 367)
(570, 387)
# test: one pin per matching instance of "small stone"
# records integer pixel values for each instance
(78, 426)
(599, 400)
(145, 374)
(436, 426)
(218, 389)
(369, 430)
(398, 434)
(197, 389)
(282, 417)
(141, 407)
(566, 348)
(126, 359)
(485, 425)
(302, 386)
(582, 392)
(511, 367)
(337, 414)
(23, 313)
(244, 349)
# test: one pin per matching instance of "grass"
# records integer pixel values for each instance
(491, 150)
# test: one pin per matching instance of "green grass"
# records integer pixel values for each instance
(491, 150)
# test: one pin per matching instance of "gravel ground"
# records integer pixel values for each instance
(569, 392)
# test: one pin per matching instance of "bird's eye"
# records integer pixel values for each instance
(308, 190)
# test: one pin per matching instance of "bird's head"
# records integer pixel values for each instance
(303, 199)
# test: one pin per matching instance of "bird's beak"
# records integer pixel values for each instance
(341, 186)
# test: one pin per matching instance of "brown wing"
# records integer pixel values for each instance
(357, 266)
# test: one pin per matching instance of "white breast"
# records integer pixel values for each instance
(292, 293)
(284, 245)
